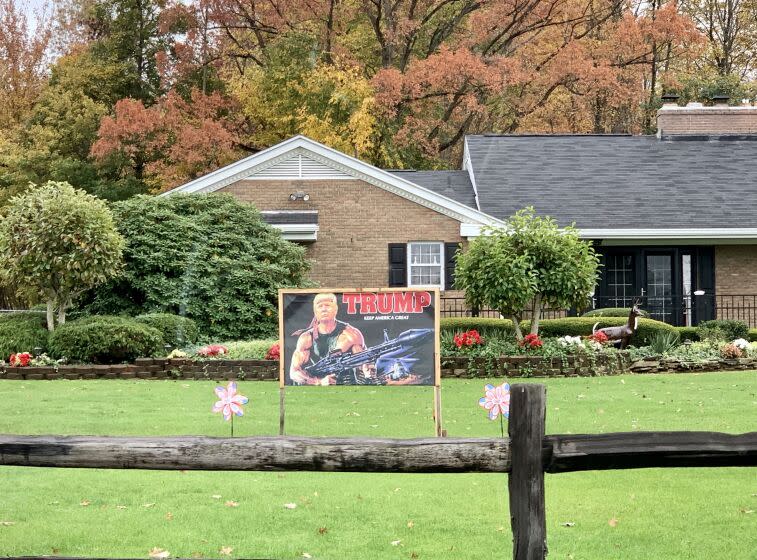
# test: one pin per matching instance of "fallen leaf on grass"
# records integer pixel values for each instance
(290, 506)
(169, 516)
(410, 524)
(148, 505)
(54, 503)
(322, 530)
(568, 524)
(396, 543)
(159, 553)
(216, 496)
(7, 523)
(56, 550)
(413, 555)
(231, 503)
(225, 550)
(306, 555)
(84, 503)
(613, 522)
(745, 510)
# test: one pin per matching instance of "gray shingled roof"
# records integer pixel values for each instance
(619, 181)
(452, 184)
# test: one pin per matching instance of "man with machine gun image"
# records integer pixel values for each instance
(332, 352)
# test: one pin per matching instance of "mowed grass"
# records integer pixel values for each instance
(632, 514)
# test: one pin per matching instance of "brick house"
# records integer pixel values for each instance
(674, 216)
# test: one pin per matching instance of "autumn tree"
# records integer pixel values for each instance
(23, 61)
(529, 266)
(55, 243)
(168, 143)
(298, 94)
(730, 27)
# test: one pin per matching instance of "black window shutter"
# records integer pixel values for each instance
(450, 252)
(397, 265)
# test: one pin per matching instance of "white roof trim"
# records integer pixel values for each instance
(474, 230)
(468, 166)
(248, 166)
(298, 232)
(682, 233)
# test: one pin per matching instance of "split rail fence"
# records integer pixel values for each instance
(526, 455)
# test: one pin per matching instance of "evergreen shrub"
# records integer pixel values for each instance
(582, 326)
(722, 329)
(486, 326)
(22, 332)
(177, 331)
(105, 340)
(613, 312)
(688, 333)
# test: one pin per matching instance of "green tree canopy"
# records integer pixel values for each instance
(208, 257)
(56, 242)
(530, 265)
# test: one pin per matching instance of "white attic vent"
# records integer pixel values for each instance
(300, 166)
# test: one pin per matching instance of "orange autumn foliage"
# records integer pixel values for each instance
(171, 142)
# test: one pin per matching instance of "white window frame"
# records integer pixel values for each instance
(410, 264)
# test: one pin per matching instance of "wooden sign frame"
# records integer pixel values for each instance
(436, 353)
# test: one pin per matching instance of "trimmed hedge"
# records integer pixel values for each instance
(572, 326)
(688, 333)
(575, 326)
(105, 340)
(22, 332)
(613, 312)
(486, 326)
(752, 335)
(177, 331)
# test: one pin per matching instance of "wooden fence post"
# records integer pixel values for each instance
(526, 482)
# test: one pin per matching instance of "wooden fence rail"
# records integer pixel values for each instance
(526, 455)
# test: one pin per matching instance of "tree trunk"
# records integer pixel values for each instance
(62, 314)
(536, 314)
(516, 325)
(50, 315)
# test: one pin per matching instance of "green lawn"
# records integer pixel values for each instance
(634, 514)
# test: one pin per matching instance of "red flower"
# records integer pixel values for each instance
(468, 338)
(600, 337)
(21, 359)
(212, 351)
(530, 341)
(273, 352)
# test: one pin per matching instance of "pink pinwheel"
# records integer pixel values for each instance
(230, 402)
(496, 400)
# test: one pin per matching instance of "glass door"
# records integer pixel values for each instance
(659, 287)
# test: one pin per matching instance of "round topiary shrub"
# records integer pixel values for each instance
(22, 332)
(613, 312)
(105, 340)
(177, 331)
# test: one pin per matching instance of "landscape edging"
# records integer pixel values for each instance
(452, 367)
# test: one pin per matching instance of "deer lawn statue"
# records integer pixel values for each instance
(624, 333)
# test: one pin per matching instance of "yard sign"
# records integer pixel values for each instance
(386, 336)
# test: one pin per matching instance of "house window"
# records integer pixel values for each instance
(620, 280)
(425, 264)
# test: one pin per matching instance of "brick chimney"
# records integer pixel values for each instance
(697, 120)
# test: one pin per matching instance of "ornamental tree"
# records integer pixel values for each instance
(55, 243)
(531, 265)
